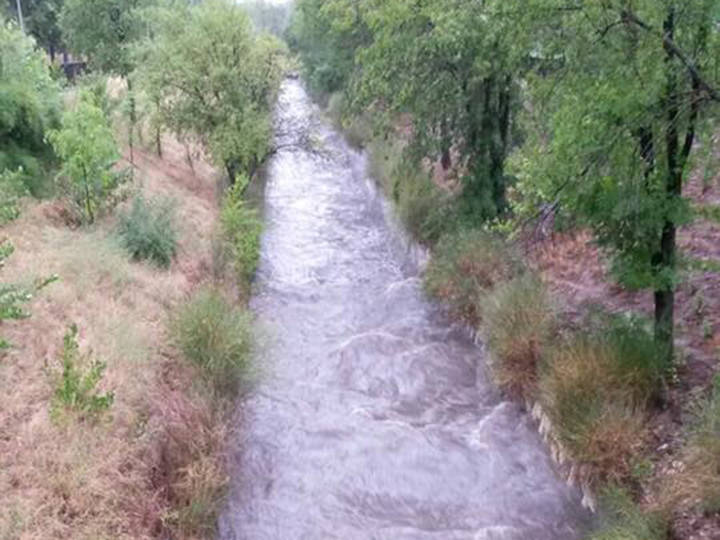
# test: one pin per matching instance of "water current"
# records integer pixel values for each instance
(373, 417)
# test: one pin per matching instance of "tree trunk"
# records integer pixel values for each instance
(664, 259)
(133, 122)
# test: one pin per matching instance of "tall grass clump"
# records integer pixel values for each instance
(596, 387)
(518, 323)
(192, 458)
(216, 337)
(623, 520)
(241, 230)
(697, 485)
(147, 231)
(465, 266)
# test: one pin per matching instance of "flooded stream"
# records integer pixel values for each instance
(373, 418)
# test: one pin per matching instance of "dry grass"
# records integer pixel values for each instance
(695, 484)
(155, 462)
(598, 415)
(518, 322)
(465, 266)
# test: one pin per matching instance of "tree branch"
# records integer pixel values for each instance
(676, 51)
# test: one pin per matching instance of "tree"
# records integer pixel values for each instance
(632, 87)
(327, 34)
(29, 105)
(106, 31)
(41, 19)
(88, 151)
(454, 66)
(214, 79)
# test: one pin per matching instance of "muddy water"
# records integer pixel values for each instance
(373, 418)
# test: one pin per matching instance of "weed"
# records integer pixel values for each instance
(77, 386)
(216, 337)
(518, 322)
(465, 266)
(623, 520)
(147, 231)
(241, 230)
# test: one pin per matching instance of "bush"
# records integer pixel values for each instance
(596, 387)
(30, 102)
(216, 337)
(86, 145)
(148, 231)
(465, 266)
(623, 520)
(77, 386)
(11, 189)
(241, 230)
(518, 324)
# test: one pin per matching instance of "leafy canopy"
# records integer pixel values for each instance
(86, 145)
(29, 105)
(214, 79)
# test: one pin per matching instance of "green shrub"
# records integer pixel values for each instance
(86, 145)
(241, 230)
(147, 231)
(518, 324)
(13, 296)
(76, 389)
(623, 520)
(216, 337)
(465, 266)
(11, 189)
(30, 102)
(596, 388)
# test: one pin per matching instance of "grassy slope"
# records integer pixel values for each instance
(109, 481)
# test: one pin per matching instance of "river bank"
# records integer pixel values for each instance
(152, 460)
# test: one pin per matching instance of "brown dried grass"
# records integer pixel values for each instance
(160, 449)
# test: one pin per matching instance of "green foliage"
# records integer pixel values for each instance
(76, 389)
(216, 337)
(623, 520)
(241, 230)
(12, 297)
(612, 124)
(213, 78)
(11, 189)
(103, 30)
(41, 21)
(465, 266)
(87, 148)
(147, 231)
(29, 106)
(327, 34)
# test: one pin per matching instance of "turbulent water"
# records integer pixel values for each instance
(373, 418)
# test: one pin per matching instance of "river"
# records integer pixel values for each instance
(373, 417)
